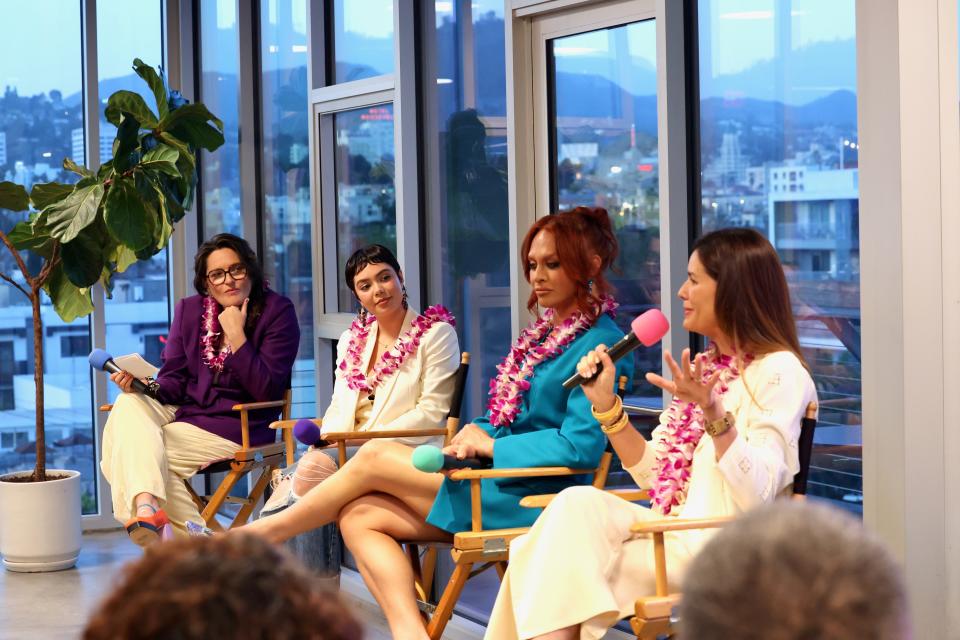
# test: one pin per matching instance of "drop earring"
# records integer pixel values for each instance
(590, 286)
(362, 315)
(403, 301)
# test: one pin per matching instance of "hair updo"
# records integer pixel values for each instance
(579, 234)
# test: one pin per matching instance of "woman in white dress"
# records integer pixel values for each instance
(726, 443)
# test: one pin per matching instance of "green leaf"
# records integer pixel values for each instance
(127, 216)
(162, 158)
(70, 165)
(83, 259)
(155, 82)
(106, 281)
(105, 171)
(25, 237)
(125, 145)
(169, 202)
(132, 104)
(13, 197)
(189, 123)
(67, 218)
(123, 256)
(69, 301)
(46, 193)
(186, 158)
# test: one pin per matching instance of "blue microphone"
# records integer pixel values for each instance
(430, 459)
(100, 359)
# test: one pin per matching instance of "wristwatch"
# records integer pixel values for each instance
(720, 425)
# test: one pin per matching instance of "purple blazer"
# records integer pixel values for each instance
(258, 372)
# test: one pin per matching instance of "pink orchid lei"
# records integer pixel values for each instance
(210, 324)
(537, 343)
(393, 358)
(679, 435)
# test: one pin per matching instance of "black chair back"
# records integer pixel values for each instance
(456, 401)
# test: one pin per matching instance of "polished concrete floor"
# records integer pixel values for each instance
(56, 605)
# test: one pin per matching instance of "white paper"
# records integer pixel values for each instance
(134, 364)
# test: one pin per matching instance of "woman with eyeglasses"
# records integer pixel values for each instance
(233, 342)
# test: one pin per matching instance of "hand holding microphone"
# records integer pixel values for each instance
(100, 359)
(430, 459)
(307, 432)
(646, 329)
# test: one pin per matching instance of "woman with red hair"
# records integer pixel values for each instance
(378, 497)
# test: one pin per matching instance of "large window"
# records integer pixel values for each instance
(220, 92)
(468, 183)
(137, 315)
(362, 38)
(604, 142)
(286, 177)
(41, 123)
(366, 199)
(778, 140)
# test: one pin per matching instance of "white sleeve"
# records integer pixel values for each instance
(441, 359)
(763, 458)
(643, 471)
(333, 414)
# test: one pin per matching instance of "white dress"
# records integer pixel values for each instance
(580, 564)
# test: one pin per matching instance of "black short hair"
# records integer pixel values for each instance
(370, 254)
(248, 258)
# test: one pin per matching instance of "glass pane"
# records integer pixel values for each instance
(778, 136)
(605, 141)
(136, 316)
(219, 91)
(366, 201)
(362, 39)
(41, 123)
(286, 177)
(472, 157)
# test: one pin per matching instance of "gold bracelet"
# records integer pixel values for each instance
(609, 414)
(617, 426)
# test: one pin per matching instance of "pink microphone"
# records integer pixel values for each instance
(646, 329)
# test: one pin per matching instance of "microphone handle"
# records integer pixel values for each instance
(452, 462)
(148, 389)
(624, 346)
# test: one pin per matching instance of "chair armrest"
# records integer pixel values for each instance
(521, 472)
(679, 524)
(540, 501)
(106, 407)
(252, 406)
(338, 436)
(288, 424)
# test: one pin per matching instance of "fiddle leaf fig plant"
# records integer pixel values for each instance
(122, 212)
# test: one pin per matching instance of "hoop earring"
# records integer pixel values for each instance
(403, 301)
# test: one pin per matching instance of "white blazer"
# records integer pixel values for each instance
(416, 396)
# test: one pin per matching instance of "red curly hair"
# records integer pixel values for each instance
(579, 234)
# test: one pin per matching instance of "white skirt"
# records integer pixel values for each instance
(580, 564)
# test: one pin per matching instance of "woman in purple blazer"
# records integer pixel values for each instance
(234, 342)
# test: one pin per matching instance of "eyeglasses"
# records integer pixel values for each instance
(237, 272)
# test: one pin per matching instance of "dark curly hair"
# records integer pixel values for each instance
(370, 254)
(237, 586)
(258, 288)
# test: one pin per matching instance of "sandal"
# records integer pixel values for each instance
(145, 531)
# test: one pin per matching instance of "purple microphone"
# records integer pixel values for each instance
(307, 432)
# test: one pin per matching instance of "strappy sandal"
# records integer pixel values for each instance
(145, 531)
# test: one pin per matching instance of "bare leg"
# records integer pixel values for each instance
(146, 504)
(379, 466)
(371, 526)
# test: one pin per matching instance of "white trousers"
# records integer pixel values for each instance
(144, 451)
(580, 564)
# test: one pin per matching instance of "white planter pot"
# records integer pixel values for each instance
(40, 524)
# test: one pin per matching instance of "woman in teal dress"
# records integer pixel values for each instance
(378, 497)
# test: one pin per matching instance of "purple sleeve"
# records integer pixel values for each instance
(264, 370)
(173, 373)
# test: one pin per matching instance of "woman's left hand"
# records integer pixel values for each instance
(232, 321)
(470, 442)
(686, 383)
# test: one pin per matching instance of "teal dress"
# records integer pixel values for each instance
(553, 429)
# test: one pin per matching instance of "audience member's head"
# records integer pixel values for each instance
(794, 571)
(237, 587)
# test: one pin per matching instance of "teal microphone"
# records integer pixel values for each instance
(430, 459)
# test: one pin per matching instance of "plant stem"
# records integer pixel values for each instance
(40, 470)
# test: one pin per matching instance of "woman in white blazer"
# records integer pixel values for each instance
(726, 444)
(395, 369)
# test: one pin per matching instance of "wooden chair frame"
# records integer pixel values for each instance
(244, 460)
(653, 614)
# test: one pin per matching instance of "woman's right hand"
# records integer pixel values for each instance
(123, 380)
(599, 390)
